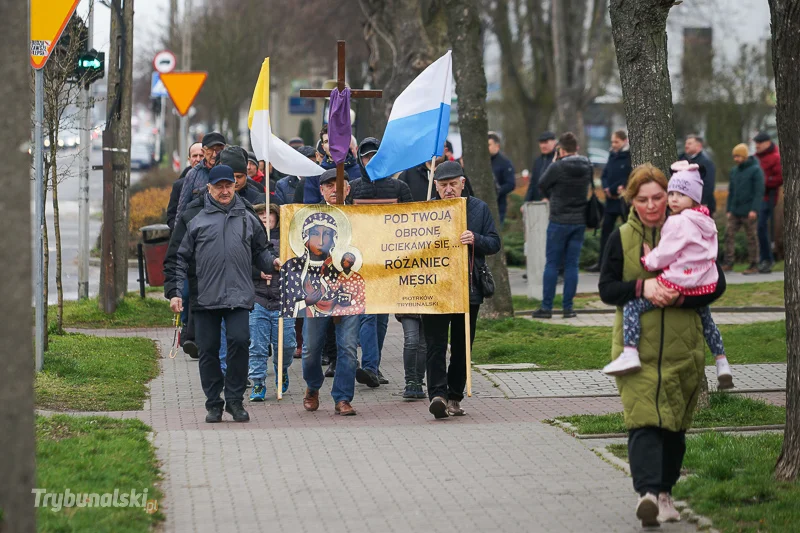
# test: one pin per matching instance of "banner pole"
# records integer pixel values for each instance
(468, 344)
(280, 358)
(430, 176)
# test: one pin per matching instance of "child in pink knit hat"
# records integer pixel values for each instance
(685, 255)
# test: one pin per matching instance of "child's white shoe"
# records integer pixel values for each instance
(627, 363)
(724, 376)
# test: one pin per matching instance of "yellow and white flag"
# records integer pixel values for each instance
(266, 145)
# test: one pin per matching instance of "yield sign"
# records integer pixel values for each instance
(48, 20)
(183, 88)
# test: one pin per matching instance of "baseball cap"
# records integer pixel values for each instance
(212, 139)
(220, 173)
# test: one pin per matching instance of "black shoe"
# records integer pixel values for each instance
(326, 360)
(330, 371)
(190, 349)
(594, 268)
(214, 415)
(765, 267)
(569, 313)
(368, 378)
(542, 313)
(238, 413)
(382, 379)
(524, 276)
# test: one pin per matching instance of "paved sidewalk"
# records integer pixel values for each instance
(587, 281)
(607, 319)
(593, 383)
(391, 468)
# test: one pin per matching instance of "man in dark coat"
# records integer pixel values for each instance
(197, 178)
(373, 327)
(614, 179)
(216, 242)
(352, 170)
(446, 385)
(286, 186)
(547, 154)
(566, 186)
(503, 171)
(195, 156)
(694, 152)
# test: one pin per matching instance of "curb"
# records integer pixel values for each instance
(612, 310)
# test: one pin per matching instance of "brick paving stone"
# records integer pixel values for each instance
(607, 319)
(590, 383)
(391, 468)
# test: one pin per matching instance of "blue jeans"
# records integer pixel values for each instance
(263, 335)
(564, 242)
(314, 333)
(764, 237)
(372, 333)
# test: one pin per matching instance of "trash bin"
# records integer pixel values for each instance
(155, 239)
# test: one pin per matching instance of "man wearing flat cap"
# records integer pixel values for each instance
(197, 178)
(446, 384)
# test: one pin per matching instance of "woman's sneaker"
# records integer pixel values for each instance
(627, 363)
(259, 393)
(666, 509)
(724, 375)
(647, 510)
(409, 393)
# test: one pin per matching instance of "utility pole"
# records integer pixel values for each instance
(186, 65)
(86, 105)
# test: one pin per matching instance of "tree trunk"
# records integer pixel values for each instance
(463, 28)
(57, 234)
(122, 136)
(17, 463)
(400, 49)
(639, 28)
(785, 51)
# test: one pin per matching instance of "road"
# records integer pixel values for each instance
(68, 160)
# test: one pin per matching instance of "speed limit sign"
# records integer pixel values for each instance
(164, 62)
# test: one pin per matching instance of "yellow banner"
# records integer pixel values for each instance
(371, 259)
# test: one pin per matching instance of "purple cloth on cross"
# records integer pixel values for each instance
(339, 128)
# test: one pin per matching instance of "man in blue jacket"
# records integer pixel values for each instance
(503, 171)
(615, 178)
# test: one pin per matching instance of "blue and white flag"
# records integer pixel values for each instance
(418, 124)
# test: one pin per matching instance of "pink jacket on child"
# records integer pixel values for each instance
(686, 253)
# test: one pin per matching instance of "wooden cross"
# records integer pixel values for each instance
(354, 93)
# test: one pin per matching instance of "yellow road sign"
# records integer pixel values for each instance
(48, 20)
(183, 88)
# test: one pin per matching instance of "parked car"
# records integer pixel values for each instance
(141, 157)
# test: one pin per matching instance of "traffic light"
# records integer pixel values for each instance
(91, 66)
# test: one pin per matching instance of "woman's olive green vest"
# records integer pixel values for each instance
(664, 393)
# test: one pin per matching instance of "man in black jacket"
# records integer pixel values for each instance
(614, 178)
(566, 186)
(216, 242)
(503, 171)
(195, 156)
(446, 385)
(694, 152)
(547, 149)
(373, 328)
